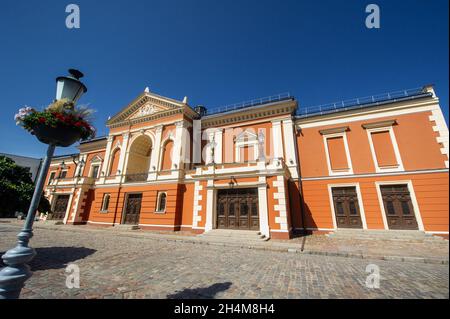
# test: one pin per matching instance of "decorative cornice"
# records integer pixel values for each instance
(244, 115)
(379, 124)
(341, 129)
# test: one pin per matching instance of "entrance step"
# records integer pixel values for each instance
(226, 235)
(398, 235)
(125, 227)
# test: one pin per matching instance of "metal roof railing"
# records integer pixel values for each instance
(250, 103)
(362, 102)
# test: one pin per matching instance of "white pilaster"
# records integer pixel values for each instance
(210, 203)
(290, 150)
(197, 142)
(123, 152)
(277, 139)
(107, 159)
(218, 138)
(155, 154)
(69, 206)
(178, 145)
(263, 210)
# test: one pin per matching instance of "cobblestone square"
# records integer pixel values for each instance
(113, 266)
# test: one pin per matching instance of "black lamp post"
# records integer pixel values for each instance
(14, 275)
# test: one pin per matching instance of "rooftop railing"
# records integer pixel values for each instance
(361, 102)
(250, 103)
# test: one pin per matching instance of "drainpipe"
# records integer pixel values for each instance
(300, 184)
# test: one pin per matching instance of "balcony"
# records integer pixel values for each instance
(133, 178)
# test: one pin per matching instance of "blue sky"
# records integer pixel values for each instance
(215, 52)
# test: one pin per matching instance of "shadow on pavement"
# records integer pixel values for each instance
(201, 293)
(56, 257)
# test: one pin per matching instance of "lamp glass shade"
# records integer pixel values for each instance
(69, 88)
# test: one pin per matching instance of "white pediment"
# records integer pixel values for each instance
(147, 109)
(246, 136)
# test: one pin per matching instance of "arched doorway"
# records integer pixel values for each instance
(139, 159)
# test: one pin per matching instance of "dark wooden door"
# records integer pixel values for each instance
(60, 208)
(398, 207)
(132, 209)
(238, 209)
(346, 207)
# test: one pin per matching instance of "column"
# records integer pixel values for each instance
(123, 152)
(154, 161)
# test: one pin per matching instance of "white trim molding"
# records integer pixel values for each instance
(397, 168)
(360, 203)
(412, 194)
(332, 172)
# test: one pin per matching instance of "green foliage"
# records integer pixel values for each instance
(16, 189)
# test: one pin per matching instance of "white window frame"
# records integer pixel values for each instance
(102, 209)
(91, 170)
(332, 172)
(158, 199)
(399, 167)
(414, 202)
(61, 172)
(50, 179)
(240, 145)
(246, 139)
(360, 202)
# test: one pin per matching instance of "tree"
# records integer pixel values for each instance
(16, 189)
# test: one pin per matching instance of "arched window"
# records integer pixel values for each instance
(114, 164)
(161, 204)
(167, 156)
(105, 203)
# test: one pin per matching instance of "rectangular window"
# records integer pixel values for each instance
(337, 155)
(384, 150)
(337, 151)
(95, 170)
(247, 153)
(63, 174)
(52, 177)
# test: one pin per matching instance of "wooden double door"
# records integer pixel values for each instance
(398, 207)
(346, 207)
(132, 210)
(60, 207)
(238, 209)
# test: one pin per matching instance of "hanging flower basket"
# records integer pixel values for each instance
(61, 135)
(59, 124)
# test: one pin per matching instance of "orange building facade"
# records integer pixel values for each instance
(268, 166)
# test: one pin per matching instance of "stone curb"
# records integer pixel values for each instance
(276, 247)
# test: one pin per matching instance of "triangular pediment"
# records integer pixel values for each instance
(145, 105)
(246, 136)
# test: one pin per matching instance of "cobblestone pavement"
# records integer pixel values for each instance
(114, 266)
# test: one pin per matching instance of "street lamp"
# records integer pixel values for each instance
(14, 275)
(70, 87)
